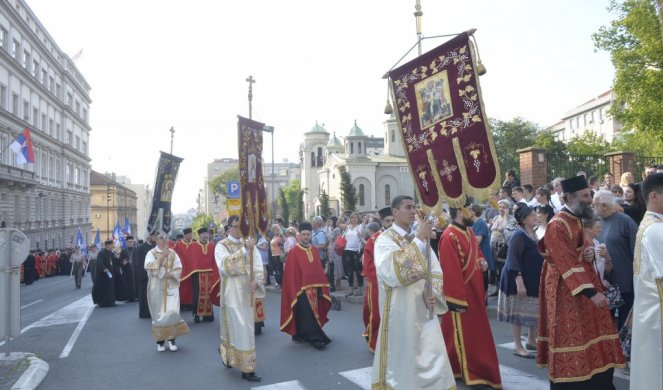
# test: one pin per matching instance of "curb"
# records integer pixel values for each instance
(33, 376)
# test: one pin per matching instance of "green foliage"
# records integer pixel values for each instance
(590, 143)
(324, 204)
(510, 136)
(285, 210)
(635, 44)
(218, 184)
(546, 139)
(201, 220)
(348, 191)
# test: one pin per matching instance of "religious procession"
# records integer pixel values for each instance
(427, 259)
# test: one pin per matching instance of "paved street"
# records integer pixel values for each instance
(112, 348)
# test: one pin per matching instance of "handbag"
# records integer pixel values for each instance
(614, 295)
(339, 245)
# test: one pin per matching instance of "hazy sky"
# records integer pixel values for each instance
(157, 64)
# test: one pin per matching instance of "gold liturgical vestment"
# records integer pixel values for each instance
(163, 294)
(410, 351)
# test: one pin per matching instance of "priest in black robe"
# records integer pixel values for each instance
(127, 270)
(103, 292)
(29, 271)
(140, 275)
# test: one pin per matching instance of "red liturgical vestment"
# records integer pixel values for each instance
(200, 261)
(576, 338)
(186, 287)
(467, 335)
(371, 306)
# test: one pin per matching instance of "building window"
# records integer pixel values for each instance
(78, 143)
(57, 89)
(35, 68)
(352, 147)
(360, 195)
(3, 38)
(51, 83)
(26, 59)
(44, 76)
(69, 139)
(35, 116)
(312, 159)
(78, 107)
(393, 135)
(43, 122)
(50, 127)
(85, 115)
(57, 132)
(84, 147)
(26, 110)
(320, 159)
(3, 97)
(69, 97)
(16, 48)
(359, 147)
(15, 104)
(387, 194)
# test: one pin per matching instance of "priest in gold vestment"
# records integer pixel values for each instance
(164, 270)
(410, 351)
(238, 347)
(647, 338)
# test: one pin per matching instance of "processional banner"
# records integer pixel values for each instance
(253, 214)
(444, 126)
(160, 212)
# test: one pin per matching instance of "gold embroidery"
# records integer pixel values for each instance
(580, 288)
(571, 271)
(245, 360)
(384, 339)
(170, 332)
(234, 263)
(584, 377)
(409, 264)
(586, 345)
(309, 253)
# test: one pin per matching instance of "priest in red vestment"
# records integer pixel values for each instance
(371, 304)
(186, 285)
(465, 326)
(201, 268)
(305, 299)
(577, 341)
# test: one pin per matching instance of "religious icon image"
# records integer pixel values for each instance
(167, 190)
(433, 99)
(252, 168)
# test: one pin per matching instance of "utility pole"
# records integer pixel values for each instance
(417, 15)
(172, 137)
(251, 81)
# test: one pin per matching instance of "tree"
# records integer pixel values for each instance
(348, 191)
(589, 143)
(293, 196)
(510, 136)
(635, 44)
(546, 139)
(218, 184)
(201, 220)
(324, 204)
(285, 210)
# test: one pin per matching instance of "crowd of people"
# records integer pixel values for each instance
(561, 260)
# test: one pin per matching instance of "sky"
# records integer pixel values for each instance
(153, 65)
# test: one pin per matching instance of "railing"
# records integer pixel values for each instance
(642, 162)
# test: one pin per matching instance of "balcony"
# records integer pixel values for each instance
(17, 176)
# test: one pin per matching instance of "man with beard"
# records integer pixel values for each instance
(103, 292)
(200, 269)
(141, 278)
(371, 304)
(577, 339)
(305, 299)
(182, 246)
(127, 270)
(466, 329)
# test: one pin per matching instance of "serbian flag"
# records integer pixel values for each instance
(22, 146)
(127, 226)
(97, 240)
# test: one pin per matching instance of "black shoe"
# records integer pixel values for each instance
(251, 377)
(318, 345)
(196, 319)
(257, 330)
(298, 339)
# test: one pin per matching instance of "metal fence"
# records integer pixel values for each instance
(642, 162)
(565, 165)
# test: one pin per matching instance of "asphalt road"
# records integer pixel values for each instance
(111, 348)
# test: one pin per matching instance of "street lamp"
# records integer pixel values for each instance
(270, 129)
(109, 193)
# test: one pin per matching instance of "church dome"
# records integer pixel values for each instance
(334, 142)
(356, 131)
(318, 129)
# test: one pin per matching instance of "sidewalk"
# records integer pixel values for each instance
(21, 371)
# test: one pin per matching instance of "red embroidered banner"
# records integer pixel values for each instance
(252, 186)
(444, 127)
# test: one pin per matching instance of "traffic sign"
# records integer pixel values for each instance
(232, 189)
(234, 207)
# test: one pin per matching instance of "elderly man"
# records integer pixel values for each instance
(164, 269)
(577, 341)
(618, 233)
(319, 238)
(556, 195)
(103, 291)
(646, 353)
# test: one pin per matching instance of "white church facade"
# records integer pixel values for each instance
(377, 178)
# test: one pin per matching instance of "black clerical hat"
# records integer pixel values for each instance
(385, 212)
(573, 184)
(305, 226)
(129, 238)
(202, 230)
(179, 236)
(187, 230)
(107, 242)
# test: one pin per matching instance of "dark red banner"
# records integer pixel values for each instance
(444, 127)
(254, 215)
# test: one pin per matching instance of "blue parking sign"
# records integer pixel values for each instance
(232, 190)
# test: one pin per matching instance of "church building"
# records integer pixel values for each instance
(377, 178)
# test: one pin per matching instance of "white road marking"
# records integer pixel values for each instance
(361, 377)
(513, 379)
(72, 340)
(291, 385)
(32, 303)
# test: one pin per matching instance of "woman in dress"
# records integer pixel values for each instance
(544, 214)
(497, 238)
(518, 301)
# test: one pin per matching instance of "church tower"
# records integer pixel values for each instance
(393, 143)
(313, 157)
(355, 143)
(335, 146)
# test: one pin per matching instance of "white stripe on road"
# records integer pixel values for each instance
(361, 377)
(30, 304)
(72, 340)
(513, 379)
(292, 385)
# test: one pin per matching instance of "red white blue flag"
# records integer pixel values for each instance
(22, 146)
